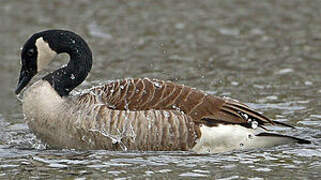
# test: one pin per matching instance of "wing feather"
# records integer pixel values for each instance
(147, 94)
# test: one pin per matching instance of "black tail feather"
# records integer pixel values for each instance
(283, 124)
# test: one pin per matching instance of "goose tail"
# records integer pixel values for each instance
(270, 139)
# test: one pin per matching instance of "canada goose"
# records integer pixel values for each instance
(134, 114)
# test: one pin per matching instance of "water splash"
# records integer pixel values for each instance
(95, 31)
(157, 85)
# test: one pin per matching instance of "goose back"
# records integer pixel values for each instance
(147, 94)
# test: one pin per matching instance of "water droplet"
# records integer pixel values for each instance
(114, 141)
(234, 83)
(158, 85)
(254, 124)
(180, 26)
(257, 31)
(20, 97)
(229, 32)
(308, 83)
(96, 31)
(166, 114)
(245, 116)
(112, 106)
(285, 71)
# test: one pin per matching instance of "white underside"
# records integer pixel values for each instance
(224, 138)
(228, 137)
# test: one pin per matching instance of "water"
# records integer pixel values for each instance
(266, 54)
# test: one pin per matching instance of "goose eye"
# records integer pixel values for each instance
(30, 52)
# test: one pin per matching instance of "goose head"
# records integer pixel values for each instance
(42, 47)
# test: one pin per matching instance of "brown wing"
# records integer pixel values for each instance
(146, 94)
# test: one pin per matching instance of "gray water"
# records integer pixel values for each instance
(264, 53)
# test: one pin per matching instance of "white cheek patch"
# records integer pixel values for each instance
(45, 54)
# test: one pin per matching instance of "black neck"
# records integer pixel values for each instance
(75, 72)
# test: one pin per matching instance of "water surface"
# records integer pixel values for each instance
(266, 54)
